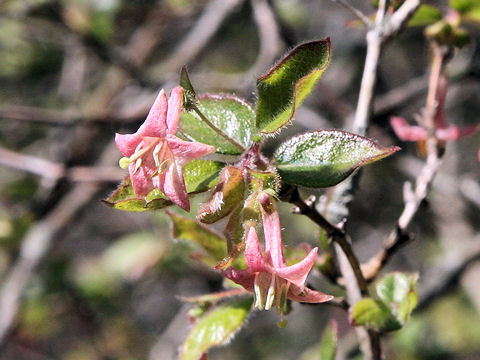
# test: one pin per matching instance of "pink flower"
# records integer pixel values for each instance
(443, 131)
(407, 132)
(267, 274)
(155, 156)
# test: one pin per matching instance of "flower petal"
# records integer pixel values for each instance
(454, 132)
(141, 178)
(175, 104)
(172, 184)
(272, 231)
(407, 132)
(253, 253)
(309, 296)
(185, 151)
(298, 272)
(155, 124)
(241, 277)
(127, 143)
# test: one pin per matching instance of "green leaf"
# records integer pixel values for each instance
(284, 88)
(187, 229)
(425, 15)
(231, 115)
(398, 290)
(374, 314)
(326, 157)
(215, 328)
(200, 175)
(465, 6)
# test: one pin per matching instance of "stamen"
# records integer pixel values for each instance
(282, 305)
(138, 163)
(270, 294)
(258, 294)
(139, 152)
(156, 150)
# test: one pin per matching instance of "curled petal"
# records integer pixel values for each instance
(454, 132)
(241, 277)
(407, 132)
(253, 253)
(309, 296)
(297, 273)
(185, 151)
(127, 143)
(175, 104)
(172, 184)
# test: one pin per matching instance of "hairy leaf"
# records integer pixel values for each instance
(188, 229)
(326, 157)
(284, 88)
(398, 290)
(215, 328)
(229, 114)
(374, 314)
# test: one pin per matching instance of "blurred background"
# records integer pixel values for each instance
(84, 281)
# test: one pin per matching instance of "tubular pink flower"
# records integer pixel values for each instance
(443, 131)
(407, 132)
(155, 156)
(267, 274)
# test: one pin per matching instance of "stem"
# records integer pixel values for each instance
(336, 234)
(217, 130)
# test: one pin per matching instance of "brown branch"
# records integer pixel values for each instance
(57, 171)
(207, 25)
(336, 234)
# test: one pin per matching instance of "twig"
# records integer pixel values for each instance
(336, 234)
(270, 41)
(441, 279)
(39, 240)
(414, 198)
(37, 243)
(364, 18)
(207, 25)
(57, 171)
(377, 35)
